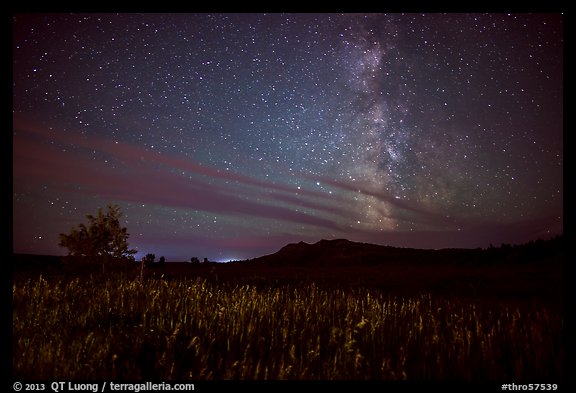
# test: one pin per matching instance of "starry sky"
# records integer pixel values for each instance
(227, 136)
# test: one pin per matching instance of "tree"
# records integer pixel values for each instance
(104, 239)
(149, 259)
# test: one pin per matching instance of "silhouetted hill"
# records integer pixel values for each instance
(342, 252)
(532, 270)
(339, 252)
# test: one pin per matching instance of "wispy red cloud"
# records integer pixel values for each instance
(138, 175)
(134, 174)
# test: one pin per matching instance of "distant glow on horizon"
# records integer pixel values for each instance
(226, 260)
(226, 135)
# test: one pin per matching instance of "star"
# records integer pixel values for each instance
(234, 134)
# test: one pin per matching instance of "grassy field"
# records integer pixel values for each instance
(95, 327)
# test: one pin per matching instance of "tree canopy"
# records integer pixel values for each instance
(103, 238)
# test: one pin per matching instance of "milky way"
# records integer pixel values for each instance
(229, 135)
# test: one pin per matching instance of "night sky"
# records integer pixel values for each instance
(228, 136)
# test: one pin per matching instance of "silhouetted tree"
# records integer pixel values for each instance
(194, 260)
(149, 259)
(162, 260)
(103, 239)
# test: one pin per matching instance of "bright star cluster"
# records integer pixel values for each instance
(229, 135)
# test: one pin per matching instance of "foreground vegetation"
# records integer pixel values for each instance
(113, 328)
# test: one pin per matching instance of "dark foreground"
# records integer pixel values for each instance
(397, 321)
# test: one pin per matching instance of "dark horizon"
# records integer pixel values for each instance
(175, 259)
(228, 136)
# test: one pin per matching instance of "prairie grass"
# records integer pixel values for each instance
(90, 328)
